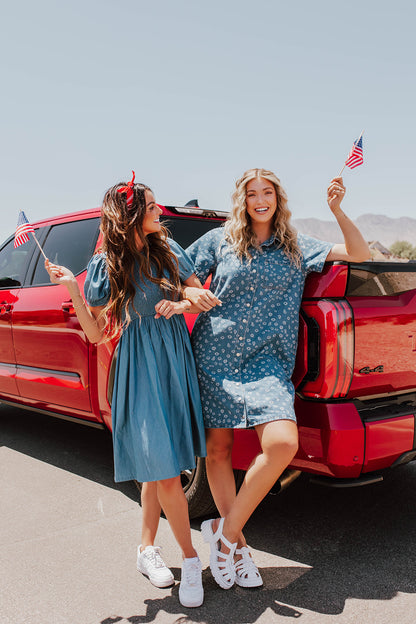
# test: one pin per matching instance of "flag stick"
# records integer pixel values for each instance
(355, 143)
(37, 243)
(340, 173)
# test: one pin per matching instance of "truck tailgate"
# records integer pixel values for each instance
(383, 299)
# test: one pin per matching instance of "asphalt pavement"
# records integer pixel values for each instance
(69, 536)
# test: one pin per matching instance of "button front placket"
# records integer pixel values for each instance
(247, 292)
(245, 350)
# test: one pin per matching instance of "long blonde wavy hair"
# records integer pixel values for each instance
(239, 232)
(121, 225)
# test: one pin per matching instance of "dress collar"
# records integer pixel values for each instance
(269, 242)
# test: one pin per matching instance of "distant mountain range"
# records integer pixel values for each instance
(373, 227)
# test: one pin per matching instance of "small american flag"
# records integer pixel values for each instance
(23, 230)
(355, 157)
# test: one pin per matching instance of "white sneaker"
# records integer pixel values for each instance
(191, 592)
(151, 564)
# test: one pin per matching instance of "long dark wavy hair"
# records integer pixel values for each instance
(121, 228)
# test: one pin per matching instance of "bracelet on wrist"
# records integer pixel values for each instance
(80, 298)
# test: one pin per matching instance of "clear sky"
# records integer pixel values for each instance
(190, 94)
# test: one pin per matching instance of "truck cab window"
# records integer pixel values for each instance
(69, 244)
(14, 262)
(185, 231)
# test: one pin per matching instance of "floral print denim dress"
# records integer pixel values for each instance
(245, 350)
(156, 408)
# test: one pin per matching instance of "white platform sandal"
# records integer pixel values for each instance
(221, 564)
(246, 571)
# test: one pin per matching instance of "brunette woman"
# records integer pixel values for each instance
(134, 286)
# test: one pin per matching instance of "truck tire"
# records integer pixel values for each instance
(196, 488)
(197, 492)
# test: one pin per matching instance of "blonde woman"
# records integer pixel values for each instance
(245, 350)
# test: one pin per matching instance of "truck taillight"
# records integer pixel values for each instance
(330, 349)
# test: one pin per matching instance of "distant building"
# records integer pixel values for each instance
(379, 252)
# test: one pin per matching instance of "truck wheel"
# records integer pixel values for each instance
(196, 488)
(197, 492)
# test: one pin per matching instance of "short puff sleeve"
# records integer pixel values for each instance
(97, 285)
(186, 266)
(314, 252)
(203, 252)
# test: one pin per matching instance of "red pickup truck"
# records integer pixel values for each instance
(355, 373)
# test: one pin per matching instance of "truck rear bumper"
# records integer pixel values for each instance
(339, 441)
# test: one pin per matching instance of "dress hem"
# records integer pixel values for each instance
(251, 426)
(119, 479)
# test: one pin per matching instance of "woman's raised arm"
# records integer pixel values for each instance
(355, 248)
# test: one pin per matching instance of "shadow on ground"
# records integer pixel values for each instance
(349, 544)
(77, 448)
(341, 544)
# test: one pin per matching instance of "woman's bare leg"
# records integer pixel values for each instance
(220, 471)
(175, 507)
(279, 443)
(150, 513)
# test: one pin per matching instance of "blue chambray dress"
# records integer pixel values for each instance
(156, 408)
(245, 350)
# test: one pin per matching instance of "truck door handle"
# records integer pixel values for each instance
(5, 307)
(68, 306)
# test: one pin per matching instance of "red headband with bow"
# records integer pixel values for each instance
(129, 190)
